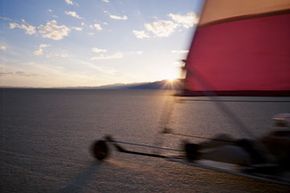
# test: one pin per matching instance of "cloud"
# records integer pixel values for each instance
(40, 50)
(106, 1)
(61, 55)
(77, 28)
(69, 2)
(50, 53)
(99, 51)
(53, 31)
(49, 30)
(47, 75)
(101, 54)
(105, 70)
(3, 47)
(138, 52)
(161, 28)
(29, 29)
(96, 26)
(141, 34)
(117, 55)
(179, 51)
(5, 18)
(6, 73)
(17, 73)
(187, 20)
(116, 17)
(22, 73)
(73, 14)
(164, 28)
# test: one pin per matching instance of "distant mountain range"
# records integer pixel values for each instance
(157, 85)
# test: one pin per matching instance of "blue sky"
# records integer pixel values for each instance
(60, 43)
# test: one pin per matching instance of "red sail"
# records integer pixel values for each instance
(241, 56)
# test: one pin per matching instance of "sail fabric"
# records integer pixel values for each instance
(241, 48)
(216, 10)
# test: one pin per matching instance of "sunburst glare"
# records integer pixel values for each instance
(171, 75)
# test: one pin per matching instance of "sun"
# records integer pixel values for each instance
(171, 80)
(171, 76)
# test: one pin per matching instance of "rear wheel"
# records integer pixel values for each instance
(100, 150)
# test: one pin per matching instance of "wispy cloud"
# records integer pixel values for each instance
(28, 28)
(187, 20)
(51, 13)
(96, 27)
(103, 69)
(138, 52)
(63, 55)
(40, 50)
(49, 30)
(161, 28)
(60, 54)
(165, 27)
(73, 14)
(5, 18)
(102, 54)
(141, 34)
(69, 2)
(43, 50)
(77, 28)
(17, 73)
(179, 51)
(99, 51)
(6, 73)
(53, 31)
(22, 73)
(106, 1)
(3, 47)
(46, 75)
(116, 17)
(116, 55)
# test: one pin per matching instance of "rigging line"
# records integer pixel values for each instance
(199, 137)
(209, 93)
(145, 145)
(237, 101)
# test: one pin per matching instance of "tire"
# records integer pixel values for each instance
(100, 150)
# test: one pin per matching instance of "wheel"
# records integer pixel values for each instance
(100, 150)
(191, 151)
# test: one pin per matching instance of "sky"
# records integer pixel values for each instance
(67, 43)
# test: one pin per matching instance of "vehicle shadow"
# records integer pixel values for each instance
(80, 181)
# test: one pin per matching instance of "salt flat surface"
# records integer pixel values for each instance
(45, 138)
